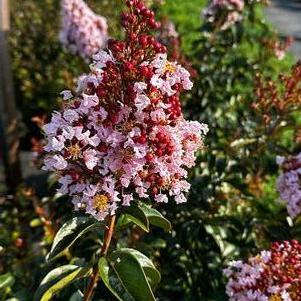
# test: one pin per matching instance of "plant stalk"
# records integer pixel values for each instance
(104, 250)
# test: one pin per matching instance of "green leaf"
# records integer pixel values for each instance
(70, 232)
(77, 296)
(143, 215)
(134, 214)
(36, 223)
(6, 280)
(155, 217)
(151, 272)
(112, 282)
(158, 243)
(124, 276)
(59, 278)
(220, 236)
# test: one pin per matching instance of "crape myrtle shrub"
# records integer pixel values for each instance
(232, 209)
(139, 145)
(24, 251)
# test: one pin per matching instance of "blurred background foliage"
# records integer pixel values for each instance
(233, 207)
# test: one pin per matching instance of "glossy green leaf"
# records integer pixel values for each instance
(155, 217)
(70, 232)
(124, 276)
(151, 272)
(59, 278)
(6, 280)
(134, 214)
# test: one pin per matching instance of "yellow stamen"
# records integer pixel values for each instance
(155, 94)
(100, 202)
(275, 298)
(125, 154)
(169, 67)
(74, 151)
(126, 127)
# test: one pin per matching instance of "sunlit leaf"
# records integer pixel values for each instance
(124, 276)
(59, 278)
(70, 232)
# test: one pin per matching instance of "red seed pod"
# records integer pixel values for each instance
(19, 242)
(154, 190)
(149, 157)
(152, 23)
(113, 118)
(143, 41)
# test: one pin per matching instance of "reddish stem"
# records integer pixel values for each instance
(104, 250)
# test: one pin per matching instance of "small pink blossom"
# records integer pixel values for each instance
(127, 198)
(90, 157)
(161, 198)
(142, 102)
(55, 163)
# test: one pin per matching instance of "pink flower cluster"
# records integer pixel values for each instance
(281, 48)
(83, 32)
(273, 275)
(224, 12)
(122, 135)
(167, 31)
(289, 185)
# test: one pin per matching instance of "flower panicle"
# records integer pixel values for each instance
(277, 47)
(224, 13)
(288, 183)
(82, 32)
(122, 134)
(273, 275)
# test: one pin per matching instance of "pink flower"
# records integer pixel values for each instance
(288, 184)
(65, 182)
(167, 74)
(90, 158)
(142, 102)
(83, 32)
(71, 115)
(55, 163)
(140, 87)
(67, 94)
(127, 198)
(101, 58)
(180, 198)
(161, 198)
(88, 102)
(158, 115)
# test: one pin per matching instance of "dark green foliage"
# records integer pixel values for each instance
(225, 217)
